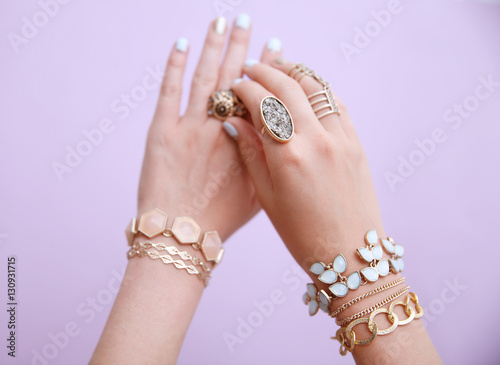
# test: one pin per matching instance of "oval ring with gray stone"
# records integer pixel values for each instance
(276, 119)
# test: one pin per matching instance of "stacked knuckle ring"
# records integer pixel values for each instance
(223, 104)
(322, 102)
(277, 119)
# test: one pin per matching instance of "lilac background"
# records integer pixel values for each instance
(68, 235)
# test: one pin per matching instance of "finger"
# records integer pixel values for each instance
(252, 154)
(171, 89)
(332, 122)
(271, 51)
(235, 57)
(206, 73)
(288, 91)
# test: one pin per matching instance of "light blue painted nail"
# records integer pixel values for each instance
(237, 81)
(250, 62)
(243, 21)
(182, 44)
(274, 45)
(220, 25)
(230, 130)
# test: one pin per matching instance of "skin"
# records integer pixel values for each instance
(316, 190)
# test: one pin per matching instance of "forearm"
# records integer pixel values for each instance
(152, 311)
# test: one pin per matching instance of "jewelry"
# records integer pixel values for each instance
(364, 312)
(172, 250)
(223, 104)
(344, 306)
(167, 259)
(276, 119)
(372, 254)
(184, 229)
(323, 99)
(316, 299)
(347, 336)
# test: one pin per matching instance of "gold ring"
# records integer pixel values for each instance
(277, 119)
(223, 104)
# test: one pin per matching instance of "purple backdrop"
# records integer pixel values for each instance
(422, 82)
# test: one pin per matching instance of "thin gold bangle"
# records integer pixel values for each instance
(372, 308)
(344, 306)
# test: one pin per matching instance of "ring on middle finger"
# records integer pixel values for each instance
(277, 119)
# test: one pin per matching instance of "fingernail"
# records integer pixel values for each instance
(280, 60)
(220, 25)
(250, 62)
(230, 130)
(182, 45)
(237, 81)
(243, 21)
(274, 45)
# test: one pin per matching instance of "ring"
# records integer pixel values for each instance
(323, 99)
(276, 119)
(223, 104)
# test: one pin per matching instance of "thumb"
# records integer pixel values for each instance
(252, 154)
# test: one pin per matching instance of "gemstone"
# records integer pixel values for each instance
(339, 289)
(401, 264)
(399, 251)
(365, 254)
(219, 256)
(186, 230)
(313, 307)
(324, 298)
(211, 245)
(277, 120)
(306, 299)
(383, 267)
(377, 252)
(371, 237)
(323, 307)
(153, 222)
(339, 264)
(370, 274)
(311, 291)
(354, 280)
(317, 268)
(394, 266)
(388, 246)
(328, 276)
(130, 231)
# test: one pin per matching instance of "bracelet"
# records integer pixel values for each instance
(344, 306)
(172, 250)
(184, 229)
(340, 285)
(167, 259)
(366, 311)
(347, 336)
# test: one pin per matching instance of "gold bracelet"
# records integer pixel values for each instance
(347, 336)
(172, 250)
(344, 306)
(366, 311)
(184, 229)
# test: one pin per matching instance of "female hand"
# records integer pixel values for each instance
(318, 192)
(316, 188)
